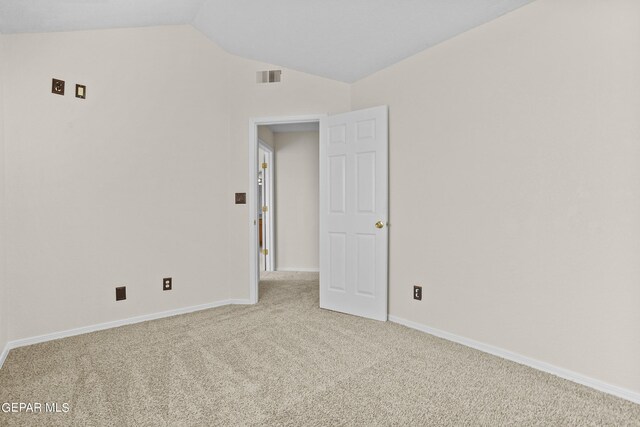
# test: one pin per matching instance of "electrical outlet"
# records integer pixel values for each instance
(57, 87)
(417, 293)
(167, 284)
(121, 293)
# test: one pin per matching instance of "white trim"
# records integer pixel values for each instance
(496, 351)
(524, 360)
(4, 354)
(269, 199)
(254, 256)
(244, 301)
(254, 271)
(300, 269)
(114, 324)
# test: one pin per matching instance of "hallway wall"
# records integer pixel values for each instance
(297, 210)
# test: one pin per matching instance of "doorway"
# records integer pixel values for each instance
(265, 217)
(353, 210)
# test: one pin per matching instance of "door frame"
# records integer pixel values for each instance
(254, 256)
(268, 218)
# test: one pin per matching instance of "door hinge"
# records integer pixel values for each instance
(265, 208)
(265, 252)
(264, 166)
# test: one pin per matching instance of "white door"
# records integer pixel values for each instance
(266, 166)
(353, 213)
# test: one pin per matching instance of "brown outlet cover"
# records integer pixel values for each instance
(57, 86)
(241, 198)
(121, 293)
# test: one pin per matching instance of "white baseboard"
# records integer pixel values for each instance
(5, 353)
(240, 301)
(298, 269)
(496, 351)
(114, 324)
(524, 360)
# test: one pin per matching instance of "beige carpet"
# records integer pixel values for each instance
(286, 362)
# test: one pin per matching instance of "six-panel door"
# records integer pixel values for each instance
(353, 199)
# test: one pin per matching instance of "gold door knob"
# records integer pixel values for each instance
(379, 224)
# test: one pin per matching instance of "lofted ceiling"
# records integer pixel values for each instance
(339, 39)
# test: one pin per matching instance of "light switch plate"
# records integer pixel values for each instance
(81, 91)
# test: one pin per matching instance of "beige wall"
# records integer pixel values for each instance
(3, 294)
(297, 201)
(136, 182)
(265, 135)
(119, 189)
(515, 185)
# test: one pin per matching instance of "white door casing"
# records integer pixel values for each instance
(353, 200)
(268, 223)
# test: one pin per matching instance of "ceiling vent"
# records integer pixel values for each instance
(270, 76)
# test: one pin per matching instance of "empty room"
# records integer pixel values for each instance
(318, 213)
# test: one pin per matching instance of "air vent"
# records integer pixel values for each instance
(270, 76)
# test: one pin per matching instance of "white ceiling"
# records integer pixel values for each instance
(34, 16)
(339, 39)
